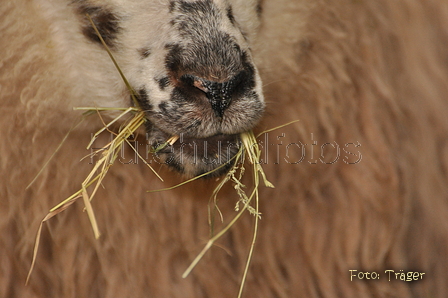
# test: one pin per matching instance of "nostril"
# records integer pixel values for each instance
(188, 80)
(194, 81)
(219, 94)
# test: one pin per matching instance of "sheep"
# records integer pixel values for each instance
(359, 206)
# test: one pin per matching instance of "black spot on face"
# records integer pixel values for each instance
(173, 59)
(143, 101)
(172, 4)
(248, 76)
(144, 53)
(106, 21)
(259, 8)
(163, 82)
(163, 107)
(230, 15)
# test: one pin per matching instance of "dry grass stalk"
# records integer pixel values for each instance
(250, 150)
(108, 154)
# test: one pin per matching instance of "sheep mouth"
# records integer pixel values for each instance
(192, 156)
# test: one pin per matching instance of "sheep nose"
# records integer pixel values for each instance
(219, 94)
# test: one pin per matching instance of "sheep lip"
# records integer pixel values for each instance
(214, 138)
(211, 146)
(192, 155)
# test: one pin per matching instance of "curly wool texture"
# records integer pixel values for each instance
(355, 71)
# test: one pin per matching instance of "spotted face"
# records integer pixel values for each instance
(190, 63)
